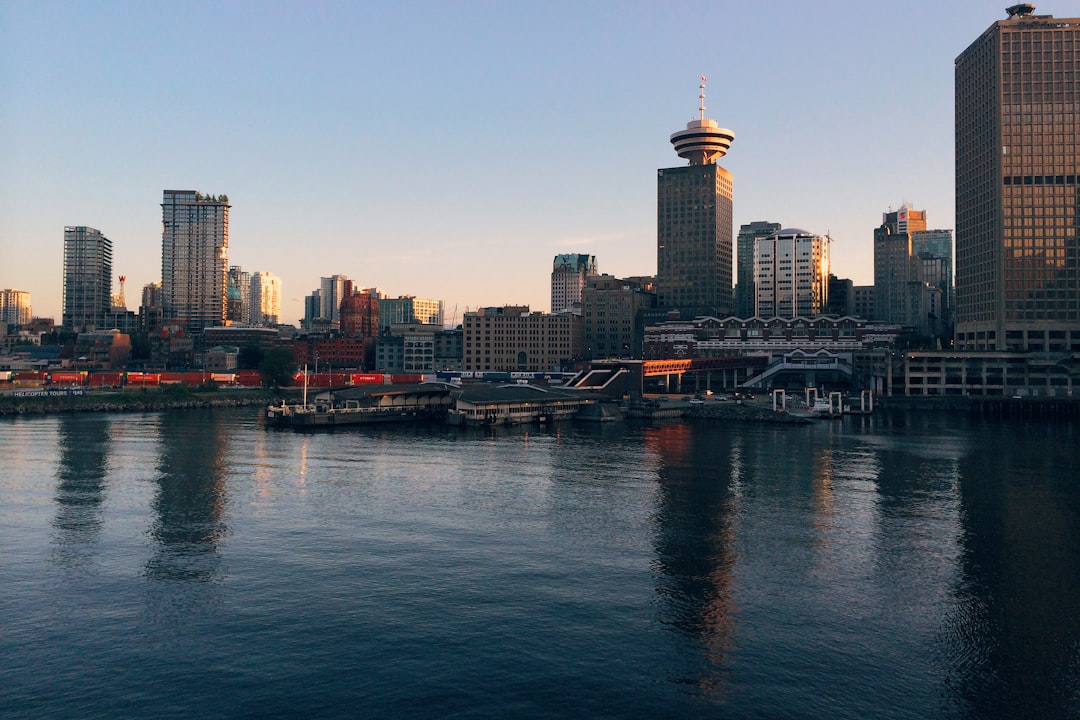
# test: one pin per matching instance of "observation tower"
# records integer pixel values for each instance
(703, 142)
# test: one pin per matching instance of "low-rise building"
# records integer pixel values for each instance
(512, 338)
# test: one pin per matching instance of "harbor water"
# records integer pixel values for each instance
(193, 564)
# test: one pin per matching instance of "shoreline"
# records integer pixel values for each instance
(135, 401)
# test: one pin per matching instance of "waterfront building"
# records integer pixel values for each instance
(194, 259)
(87, 278)
(449, 349)
(265, 298)
(409, 309)
(1017, 179)
(791, 274)
(569, 273)
(511, 338)
(325, 354)
(612, 316)
(694, 221)
(744, 290)
(14, 308)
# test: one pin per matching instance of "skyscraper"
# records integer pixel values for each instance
(1018, 185)
(87, 278)
(194, 258)
(331, 292)
(568, 273)
(748, 235)
(791, 270)
(896, 269)
(693, 221)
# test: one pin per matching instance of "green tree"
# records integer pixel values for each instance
(277, 367)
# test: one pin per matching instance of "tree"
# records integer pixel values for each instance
(250, 356)
(277, 367)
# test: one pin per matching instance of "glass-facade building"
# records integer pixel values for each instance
(87, 279)
(1018, 186)
(744, 259)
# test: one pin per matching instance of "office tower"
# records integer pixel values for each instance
(896, 268)
(933, 250)
(194, 259)
(568, 274)
(791, 272)
(612, 312)
(312, 309)
(693, 222)
(14, 307)
(265, 298)
(748, 234)
(87, 278)
(150, 311)
(332, 291)
(1018, 185)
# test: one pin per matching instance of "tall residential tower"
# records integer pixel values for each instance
(87, 278)
(693, 222)
(1018, 185)
(194, 258)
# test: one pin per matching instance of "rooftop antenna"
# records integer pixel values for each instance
(701, 109)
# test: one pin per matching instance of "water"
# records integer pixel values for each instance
(192, 564)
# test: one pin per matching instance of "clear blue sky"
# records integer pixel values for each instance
(451, 149)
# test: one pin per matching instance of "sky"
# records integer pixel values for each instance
(450, 149)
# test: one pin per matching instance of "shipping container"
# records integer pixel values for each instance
(406, 379)
(106, 379)
(366, 378)
(67, 378)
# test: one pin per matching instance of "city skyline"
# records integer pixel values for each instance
(542, 135)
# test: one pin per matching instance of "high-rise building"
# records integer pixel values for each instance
(896, 269)
(265, 298)
(568, 274)
(934, 252)
(331, 292)
(194, 259)
(87, 278)
(791, 274)
(693, 222)
(744, 289)
(1018, 185)
(14, 307)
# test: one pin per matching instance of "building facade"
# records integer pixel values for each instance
(87, 278)
(194, 259)
(14, 307)
(409, 309)
(1018, 185)
(612, 316)
(331, 292)
(694, 222)
(265, 299)
(791, 274)
(511, 338)
(239, 296)
(569, 273)
(744, 289)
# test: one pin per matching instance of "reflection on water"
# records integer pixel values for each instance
(695, 544)
(80, 488)
(189, 501)
(1013, 637)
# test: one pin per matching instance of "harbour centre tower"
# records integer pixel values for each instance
(693, 222)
